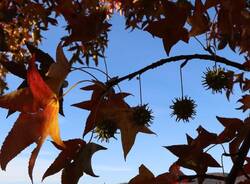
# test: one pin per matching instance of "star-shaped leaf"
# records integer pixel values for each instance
(193, 158)
(31, 126)
(65, 157)
(102, 98)
(232, 126)
(74, 160)
(127, 125)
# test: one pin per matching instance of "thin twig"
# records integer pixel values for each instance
(96, 69)
(181, 83)
(200, 43)
(79, 69)
(106, 67)
(222, 163)
(140, 88)
(210, 148)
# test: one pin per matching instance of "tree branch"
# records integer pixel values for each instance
(179, 58)
(206, 176)
(238, 164)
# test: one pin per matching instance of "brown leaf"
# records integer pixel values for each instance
(246, 85)
(95, 22)
(193, 158)
(65, 157)
(232, 125)
(247, 65)
(44, 58)
(198, 21)
(211, 3)
(170, 33)
(204, 138)
(13, 67)
(173, 36)
(189, 139)
(179, 150)
(81, 164)
(127, 126)
(58, 71)
(102, 98)
(239, 138)
(144, 176)
(245, 100)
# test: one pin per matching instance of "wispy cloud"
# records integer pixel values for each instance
(17, 172)
(105, 168)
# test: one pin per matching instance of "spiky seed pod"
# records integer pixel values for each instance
(183, 109)
(142, 115)
(215, 79)
(105, 129)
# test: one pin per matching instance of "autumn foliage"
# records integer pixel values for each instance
(39, 98)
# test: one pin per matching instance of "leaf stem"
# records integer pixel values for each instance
(73, 86)
(181, 83)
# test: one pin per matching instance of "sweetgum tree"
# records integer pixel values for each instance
(39, 98)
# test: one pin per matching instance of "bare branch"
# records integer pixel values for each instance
(201, 57)
(238, 164)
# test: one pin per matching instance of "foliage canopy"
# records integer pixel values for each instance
(39, 97)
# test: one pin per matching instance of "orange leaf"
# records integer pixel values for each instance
(19, 100)
(36, 125)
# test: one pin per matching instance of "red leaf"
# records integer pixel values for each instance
(40, 90)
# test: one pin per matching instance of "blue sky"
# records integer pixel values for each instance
(127, 52)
